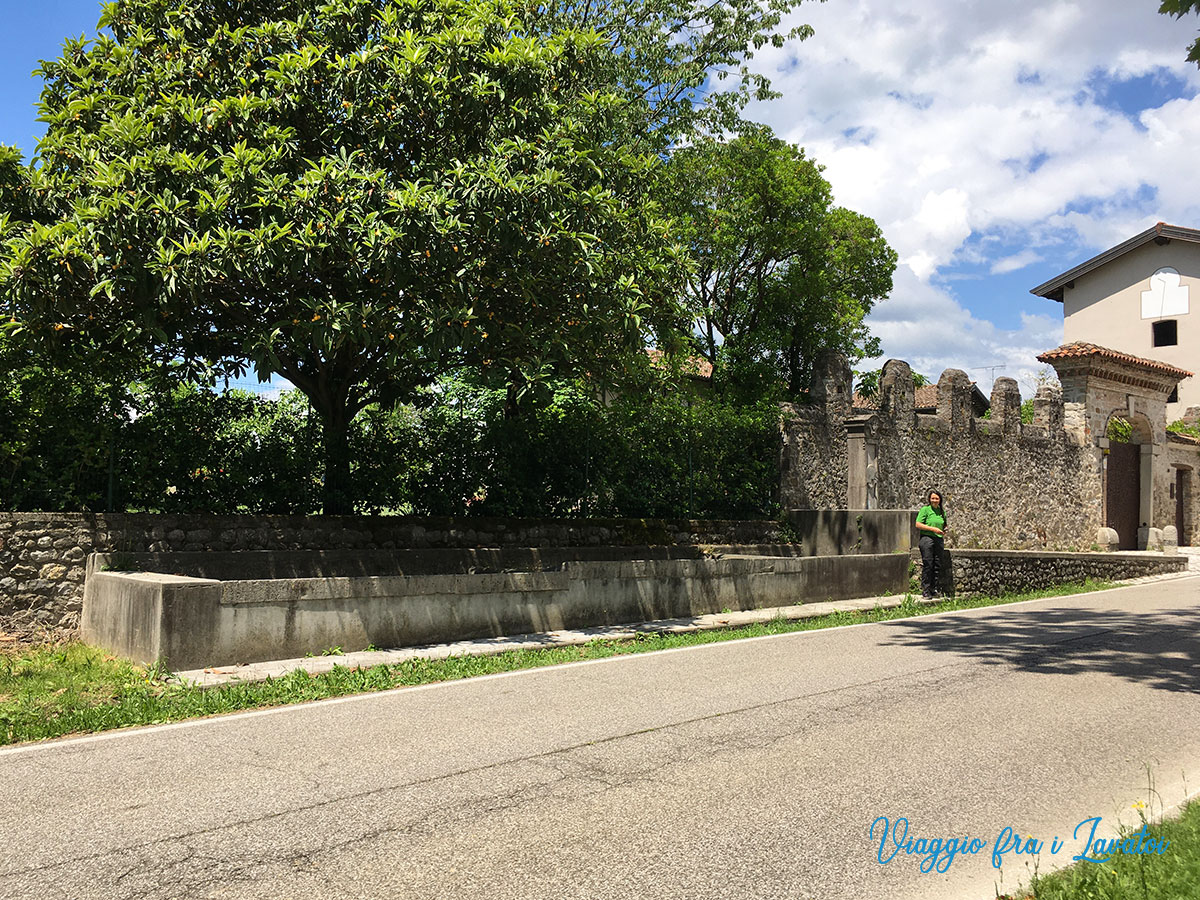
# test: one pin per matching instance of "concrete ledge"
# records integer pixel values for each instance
(315, 665)
(227, 565)
(188, 623)
(151, 616)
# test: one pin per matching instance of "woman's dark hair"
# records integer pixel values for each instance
(929, 497)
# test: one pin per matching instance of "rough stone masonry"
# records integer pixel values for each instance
(1006, 485)
(43, 555)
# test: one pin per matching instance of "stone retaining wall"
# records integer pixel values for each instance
(43, 555)
(996, 572)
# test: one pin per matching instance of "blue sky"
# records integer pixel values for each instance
(997, 145)
(32, 31)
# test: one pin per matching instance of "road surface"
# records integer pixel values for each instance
(748, 769)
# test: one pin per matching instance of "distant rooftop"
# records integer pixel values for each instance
(693, 366)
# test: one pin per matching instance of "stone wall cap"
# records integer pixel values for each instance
(925, 400)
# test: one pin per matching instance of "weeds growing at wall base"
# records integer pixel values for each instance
(69, 688)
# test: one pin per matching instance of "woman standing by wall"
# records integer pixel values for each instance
(931, 522)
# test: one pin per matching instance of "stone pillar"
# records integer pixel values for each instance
(1006, 406)
(831, 384)
(1170, 541)
(1146, 484)
(1108, 539)
(1048, 408)
(856, 464)
(1150, 538)
(896, 394)
(889, 470)
(954, 400)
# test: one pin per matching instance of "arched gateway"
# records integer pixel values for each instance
(1118, 403)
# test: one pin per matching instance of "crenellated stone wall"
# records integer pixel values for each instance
(1005, 484)
(813, 460)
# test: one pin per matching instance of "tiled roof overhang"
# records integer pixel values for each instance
(1080, 357)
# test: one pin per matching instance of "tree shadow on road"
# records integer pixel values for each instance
(1159, 648)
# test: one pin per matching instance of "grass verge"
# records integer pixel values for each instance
(1172, 875)
(70, 688)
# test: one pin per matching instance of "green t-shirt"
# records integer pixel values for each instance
(930, 516)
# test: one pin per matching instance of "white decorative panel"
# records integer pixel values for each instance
(1166, 297)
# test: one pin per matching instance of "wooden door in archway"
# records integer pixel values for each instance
(1122, 492)
(1181, 483)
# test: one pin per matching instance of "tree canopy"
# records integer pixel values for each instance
(15, 196)
(683, 64)
(782, 273)
(358, 195)
(866, 383)
(1179, 9)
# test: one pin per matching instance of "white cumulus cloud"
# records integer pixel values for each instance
(990, 134)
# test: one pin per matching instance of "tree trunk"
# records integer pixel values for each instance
(338, 495)
(793, 370)
(512, 406)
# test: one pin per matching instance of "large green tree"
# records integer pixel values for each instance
(15, 196)
(1179, 9)
(359, 195)
(683, 65)
(782, 273)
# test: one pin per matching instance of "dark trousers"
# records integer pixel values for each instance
(931, 564)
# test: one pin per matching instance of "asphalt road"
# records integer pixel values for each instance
(750, 769)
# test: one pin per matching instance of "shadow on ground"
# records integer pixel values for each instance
(1159, 648)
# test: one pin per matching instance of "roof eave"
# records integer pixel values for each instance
(1053, 289)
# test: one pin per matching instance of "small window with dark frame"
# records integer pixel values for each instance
(1166, 333)
(1173, 397)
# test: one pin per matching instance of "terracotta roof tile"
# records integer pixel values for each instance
(924, 397)
(1183, 438)
(695, 366)
(1082, 350)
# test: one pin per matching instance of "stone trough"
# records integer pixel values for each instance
(192, 610)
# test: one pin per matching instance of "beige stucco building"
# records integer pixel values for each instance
(1138, 298)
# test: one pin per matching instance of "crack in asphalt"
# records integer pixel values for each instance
(191, 870)
(467, 771)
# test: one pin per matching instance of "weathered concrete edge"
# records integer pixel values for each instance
(317, 665)
(187, 623)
